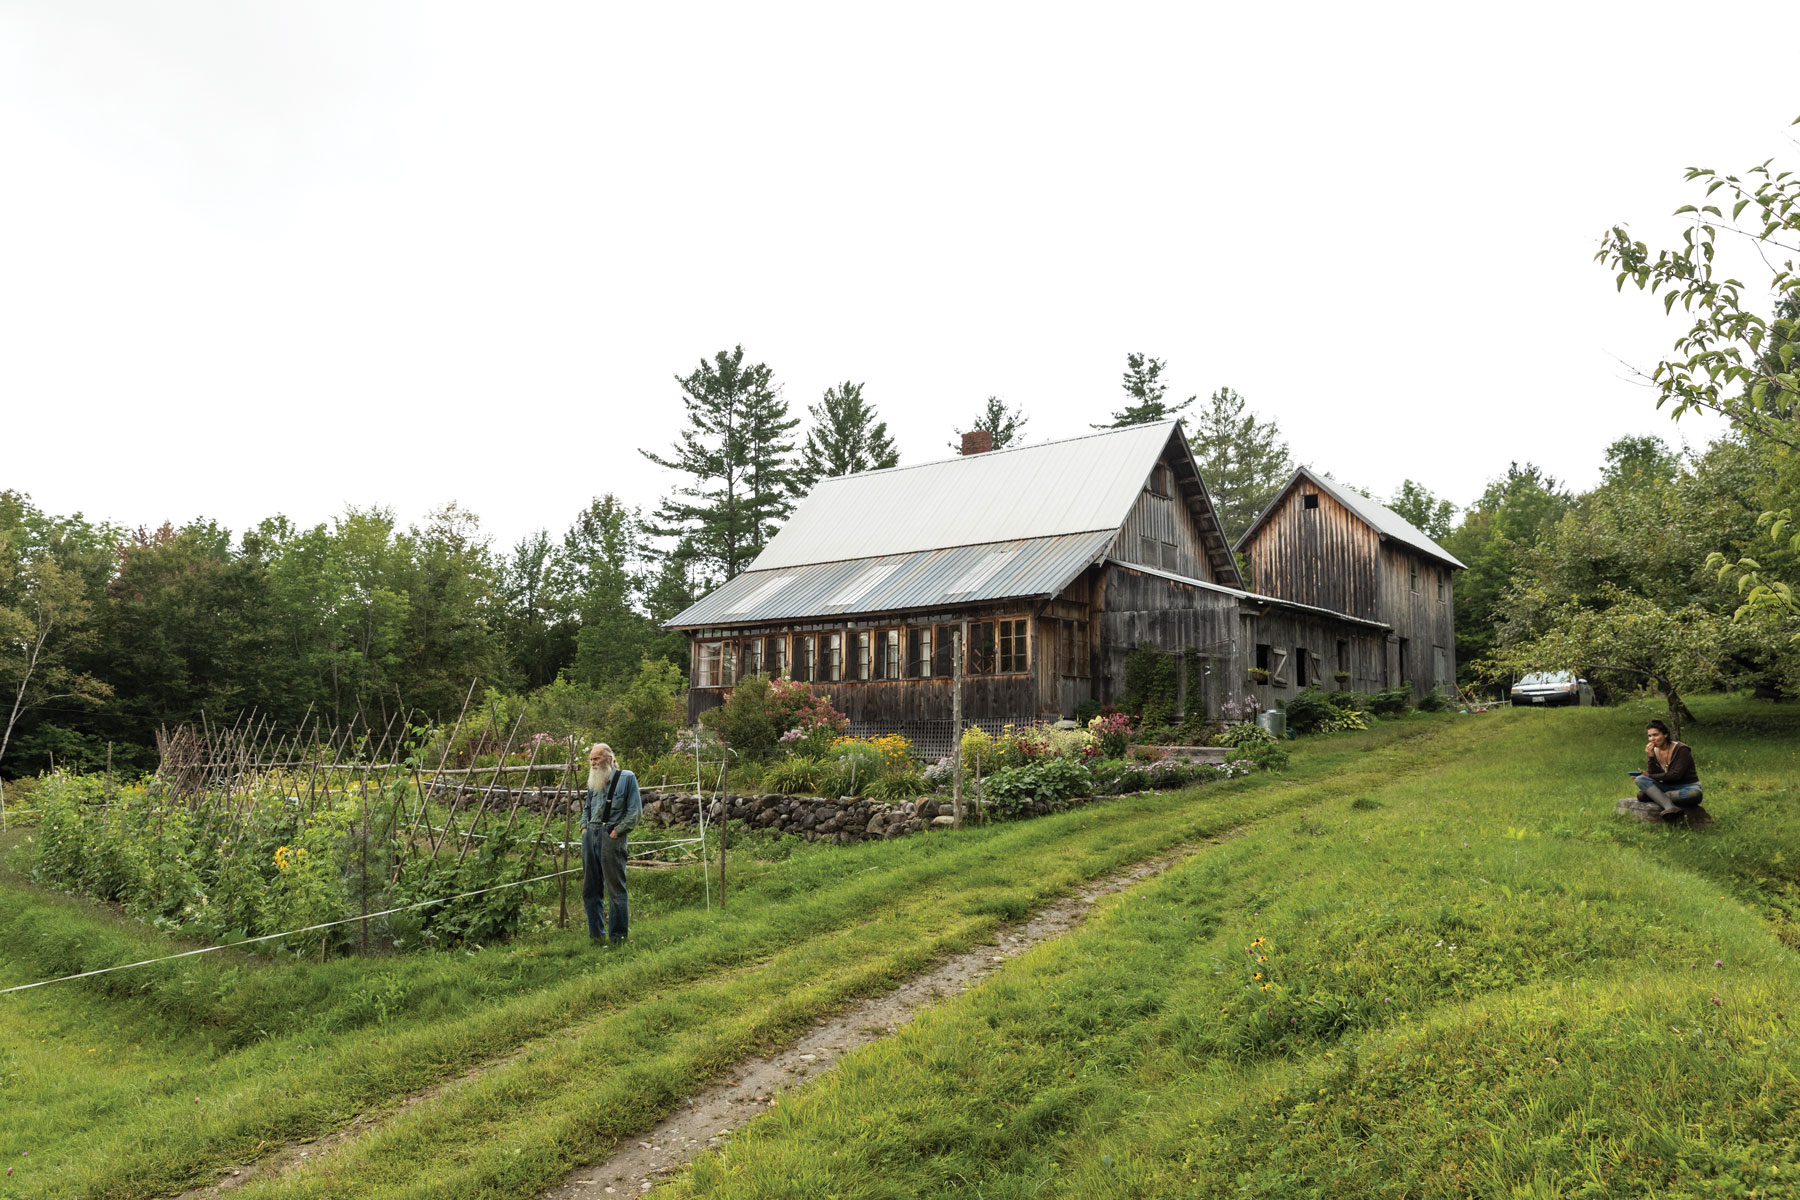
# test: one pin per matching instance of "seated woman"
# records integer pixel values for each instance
(1668, 779)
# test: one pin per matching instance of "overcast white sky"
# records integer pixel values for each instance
(260, 257)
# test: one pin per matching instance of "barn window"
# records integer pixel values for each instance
(887, 654)
(777, 657)
(860, 666)
(707, 667)
(831, 657)
(753, 656)
(918, 653)
(729, 659)
(805, 657)
(1262, 656)
(1343, 657)
(1309, 500)
(1440, 582)
(1412, 568)
(1074, 648)
(1299, 666)
(1012, 645)
(982, 648)
(946, 643)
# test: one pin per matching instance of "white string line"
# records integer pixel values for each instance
(25, 987)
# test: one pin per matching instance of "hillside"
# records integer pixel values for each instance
(1427, 960)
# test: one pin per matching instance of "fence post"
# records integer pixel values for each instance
(956, 673)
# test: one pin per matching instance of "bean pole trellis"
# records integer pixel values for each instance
(415, 792)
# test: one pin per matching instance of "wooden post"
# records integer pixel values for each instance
(724, 827)
(956, 720)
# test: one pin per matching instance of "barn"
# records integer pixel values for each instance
(1323, 544)
(1054, 562)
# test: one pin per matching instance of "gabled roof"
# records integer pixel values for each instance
(1014, 523)
(1050, 489)
(1382, 519)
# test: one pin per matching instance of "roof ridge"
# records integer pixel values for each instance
(935, 462)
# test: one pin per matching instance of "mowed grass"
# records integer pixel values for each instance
(1468, 978)
(147, 1081)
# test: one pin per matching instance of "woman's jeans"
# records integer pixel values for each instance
(1685, 795)
(603, 879)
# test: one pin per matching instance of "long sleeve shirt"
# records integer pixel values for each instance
(1680, 770)
(623, 813)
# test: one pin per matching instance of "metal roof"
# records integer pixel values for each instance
(1379, 517)
(1049, 489)
(921, 579)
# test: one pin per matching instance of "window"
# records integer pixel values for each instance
(707, 668)
(1299, 666)
(1404, 676)
(946, 642)
(777, 657)
(1309, 500)
(1439, 572)
(804, 648)
(831, 657)
(1262, 657)
(860, 665)
(887, 654)
(1343, 657)
(982, 648)
(1012, 645)
(918, 653)
(1074, 648)
(1412, 568)
(753, 656)
(728, 674)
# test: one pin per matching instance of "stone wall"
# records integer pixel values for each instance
(842, 821)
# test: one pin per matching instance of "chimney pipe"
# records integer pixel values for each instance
(977, 441)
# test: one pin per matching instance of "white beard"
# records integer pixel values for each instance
(598, 778)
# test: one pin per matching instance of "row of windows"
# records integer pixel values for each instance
(913, 652)
(1307, 667)
(1437, 572)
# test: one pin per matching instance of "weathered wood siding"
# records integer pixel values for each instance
(1329, 646)
(1138, 608)
(893, 703)
(1325, 556)
(1422, 649)
(1160, 531)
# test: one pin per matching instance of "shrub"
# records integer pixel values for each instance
(978, 751)
(1269, 755)
(1390, 702)
(1070, 743)
(645, 721)
(1046, 780)
(1086, 711)
(1243, 734)
(858, 765)
(747, 720)
(1111, 731)
(1433, 701)
(1308, 710)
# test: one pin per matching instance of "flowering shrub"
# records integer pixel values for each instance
(895, 749)
(1234, 711)
(978, 750)
(1111, 731)
(808, 722)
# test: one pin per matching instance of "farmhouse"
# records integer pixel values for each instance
(1054, 562)
(1321, 544)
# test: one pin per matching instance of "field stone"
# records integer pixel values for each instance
(943, 822)
(1645, 811)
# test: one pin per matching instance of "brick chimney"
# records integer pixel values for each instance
(977, 441)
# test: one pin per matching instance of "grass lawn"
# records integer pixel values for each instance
(1478, 981)
(1468, 978)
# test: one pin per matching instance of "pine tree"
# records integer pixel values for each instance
(1005, 425)
(845, 438)
(735, 453)
(1243, 461)
(1147, 394)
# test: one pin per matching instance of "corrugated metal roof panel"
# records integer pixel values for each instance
(1081, 485)
(1253, 597)
(890, 583)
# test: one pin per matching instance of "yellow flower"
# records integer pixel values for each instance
(1258, 975)
(1267, 986)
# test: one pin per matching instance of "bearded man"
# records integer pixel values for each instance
(612, 808)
